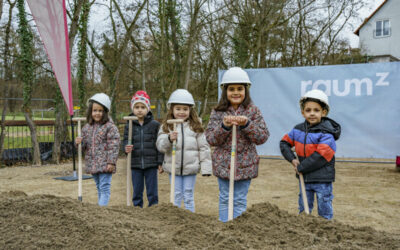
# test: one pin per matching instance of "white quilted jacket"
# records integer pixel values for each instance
(196, 151)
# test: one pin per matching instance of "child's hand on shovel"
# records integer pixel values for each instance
(229, 121)
(295, 163)
(241, 120)
(78, 140)
(128, 148)
(173, 135)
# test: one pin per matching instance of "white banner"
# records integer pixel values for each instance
(364, 100)
(51, 21)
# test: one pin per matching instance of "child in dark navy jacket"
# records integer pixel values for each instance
(314, 141)
(146, 159)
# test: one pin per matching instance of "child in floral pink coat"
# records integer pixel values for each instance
(100, 143)
(235, 108)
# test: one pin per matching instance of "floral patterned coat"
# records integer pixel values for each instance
(255, 132)
(100, 143)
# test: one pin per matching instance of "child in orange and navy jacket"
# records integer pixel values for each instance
(314, 141)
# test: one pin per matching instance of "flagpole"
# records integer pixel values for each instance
(73, 145)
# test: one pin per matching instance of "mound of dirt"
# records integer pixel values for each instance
(45, 221)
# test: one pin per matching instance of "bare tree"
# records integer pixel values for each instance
(114, 72)
(26, 43)
(7, 71)
(1, 8)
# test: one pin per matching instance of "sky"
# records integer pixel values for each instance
(371, 6)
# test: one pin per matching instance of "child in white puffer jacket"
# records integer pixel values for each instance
(192, 150)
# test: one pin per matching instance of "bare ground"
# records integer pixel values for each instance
(37, 211)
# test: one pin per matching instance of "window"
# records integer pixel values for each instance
(382, 28)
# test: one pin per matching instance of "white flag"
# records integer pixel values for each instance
(51, 21)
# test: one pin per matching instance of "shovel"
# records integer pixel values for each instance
(128, 162)
(172, 189)
(304, 194)
(232, 174)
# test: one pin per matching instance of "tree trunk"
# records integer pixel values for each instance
(82, 54)
(163, 39)
(73, 28)
(143, 71)
(60, 127)
(171, 14)
(34, 140)
(1, 8)
(3, 127)
(7, 73)
(26, 57)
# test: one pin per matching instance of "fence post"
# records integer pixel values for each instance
(198, 107)
(158, 109)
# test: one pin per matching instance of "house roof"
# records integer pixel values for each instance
(357, 32)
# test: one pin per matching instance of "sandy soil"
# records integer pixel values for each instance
(37, 211)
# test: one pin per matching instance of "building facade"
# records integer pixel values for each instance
(380, 33)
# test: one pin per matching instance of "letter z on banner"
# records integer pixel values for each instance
(51, 21)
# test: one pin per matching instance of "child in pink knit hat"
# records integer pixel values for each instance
(141, 97)
(146, 160)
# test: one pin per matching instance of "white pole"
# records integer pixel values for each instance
(232, 174)
(128, 162)
(172, 188)
(304, 194)
(79, 119)
(173, 161)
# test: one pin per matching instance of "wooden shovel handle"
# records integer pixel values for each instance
(172, 188)
(79, 119)
(128, 166)
(304, 194)
(232, 174)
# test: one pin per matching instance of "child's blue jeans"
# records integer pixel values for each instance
(324, 198)
(139, 178)
(241, 188)
(184, 190)
(103, 185)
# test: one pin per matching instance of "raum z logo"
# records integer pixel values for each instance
(362, 86)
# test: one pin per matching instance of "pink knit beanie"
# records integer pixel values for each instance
(141, 96)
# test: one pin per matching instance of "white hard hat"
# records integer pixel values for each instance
(316, 94)
(181, 96)
(101, 98)
(235, 75)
